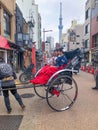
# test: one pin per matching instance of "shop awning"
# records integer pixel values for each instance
(4, 43)
(13, 45)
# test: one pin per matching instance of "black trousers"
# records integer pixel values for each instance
(15, 94)
(6, 92)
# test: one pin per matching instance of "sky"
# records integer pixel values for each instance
(50, 12)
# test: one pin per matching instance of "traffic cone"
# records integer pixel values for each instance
(88, 69)
(81, 67)
(92, 70)
(84, 68)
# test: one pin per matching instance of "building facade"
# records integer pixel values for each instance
(75, 35)
(71, 35)
(7, 28)
(87, 30)
(36, 28)
(65, 41)
(39, 33)
(94, 29)
(51, 41)
(19, 37)
(30, 11)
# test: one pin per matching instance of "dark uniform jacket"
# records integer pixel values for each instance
(6, 74)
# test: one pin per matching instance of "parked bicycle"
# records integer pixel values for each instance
(27, 74)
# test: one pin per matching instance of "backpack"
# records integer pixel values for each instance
(5, 70)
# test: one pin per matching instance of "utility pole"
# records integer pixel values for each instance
(44, 31)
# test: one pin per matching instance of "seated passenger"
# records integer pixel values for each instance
(52, 59)
(61, 59)
(48, 70)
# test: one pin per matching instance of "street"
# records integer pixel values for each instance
(83, 115)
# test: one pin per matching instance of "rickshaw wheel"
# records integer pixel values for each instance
(63, 92)
(40, 91)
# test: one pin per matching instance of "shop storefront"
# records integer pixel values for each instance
(5, 48)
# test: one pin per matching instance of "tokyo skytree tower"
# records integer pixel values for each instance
(60, 24)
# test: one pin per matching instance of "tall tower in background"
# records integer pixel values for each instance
(60, 24)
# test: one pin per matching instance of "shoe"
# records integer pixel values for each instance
(9, 111)
(23, 107)
(96, 88)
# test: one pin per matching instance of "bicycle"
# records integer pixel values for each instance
(27, 74)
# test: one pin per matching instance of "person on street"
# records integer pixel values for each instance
(7, 78)
(96, 87)
(61, 58)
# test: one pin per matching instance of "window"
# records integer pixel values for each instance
(96, 40)
(19, 28)
(87, 14)
(7, 25)
(86, 43)
(87, 28)
(72, 36)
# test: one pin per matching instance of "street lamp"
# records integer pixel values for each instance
(44, 31)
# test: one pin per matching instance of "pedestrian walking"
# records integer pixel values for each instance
(96, 87)
(7, 77)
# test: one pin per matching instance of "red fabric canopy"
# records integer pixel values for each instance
(4, 43)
